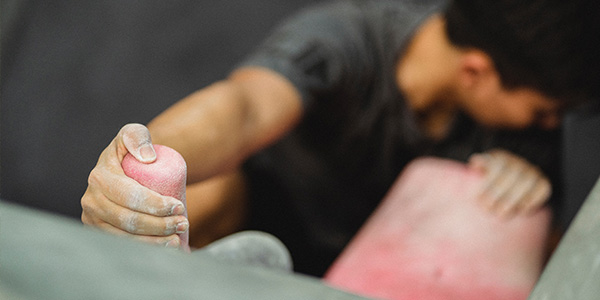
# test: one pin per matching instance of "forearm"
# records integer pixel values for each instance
(216, 207)
(218, 127)
(205, 128)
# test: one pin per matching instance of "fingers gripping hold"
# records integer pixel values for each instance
(511, 184)
(166, 176)
(171, 241)
(126, 192)
(114, 200)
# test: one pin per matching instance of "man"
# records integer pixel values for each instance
(327, 112)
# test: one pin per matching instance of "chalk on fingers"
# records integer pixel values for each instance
(166, 175)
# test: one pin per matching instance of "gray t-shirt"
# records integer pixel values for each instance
(316, 186)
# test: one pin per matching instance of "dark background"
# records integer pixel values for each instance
(74, 72)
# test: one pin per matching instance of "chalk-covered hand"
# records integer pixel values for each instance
(511, 184)
(120, 205)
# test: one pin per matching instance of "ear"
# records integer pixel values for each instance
(477, 71)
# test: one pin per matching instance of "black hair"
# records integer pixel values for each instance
(549, 45)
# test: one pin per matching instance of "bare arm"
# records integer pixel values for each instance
(216, 208)
(217, 128)
(214, 129)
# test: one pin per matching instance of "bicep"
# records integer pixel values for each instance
(216, 128)
(273, 105)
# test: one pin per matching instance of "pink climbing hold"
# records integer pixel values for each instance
(166, 175)
(430, 240)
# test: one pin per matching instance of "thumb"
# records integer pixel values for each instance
(136, 139)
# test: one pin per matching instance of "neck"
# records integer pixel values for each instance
(425, 75)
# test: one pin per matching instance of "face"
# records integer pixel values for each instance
(514, 109)
(481, 94)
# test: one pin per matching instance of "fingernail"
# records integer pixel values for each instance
(147, 153)
(177, 209)
(182, 226)
(174, 243)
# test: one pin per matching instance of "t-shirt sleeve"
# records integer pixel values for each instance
(320, 50)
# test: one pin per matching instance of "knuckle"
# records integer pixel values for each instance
(147, 201)
(160, 209)
(88, 206)
(94, 177)
(135, 198)
(129, 222)
(85, 219)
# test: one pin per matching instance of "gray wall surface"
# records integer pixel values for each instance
(573, 271)
(55, 258)
(74, 72)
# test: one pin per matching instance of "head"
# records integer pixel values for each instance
(525, 62)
